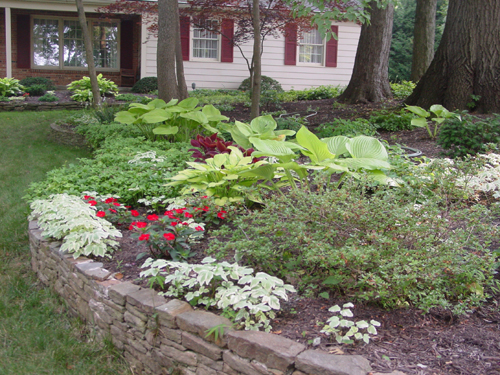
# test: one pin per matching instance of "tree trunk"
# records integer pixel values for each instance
(467, 61)
(257, 67)
(424, 34)
(87, 41)
(179, 63)
(370, 76)
(166, 52)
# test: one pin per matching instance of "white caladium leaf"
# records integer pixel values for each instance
(335, 308)
(346, 312)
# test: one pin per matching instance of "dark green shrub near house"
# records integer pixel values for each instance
(267, 84)
(30, 81)
(36, 90)
(145, 85)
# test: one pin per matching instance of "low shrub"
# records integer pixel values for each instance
(36, 90)
(267, 84)
(468, 135)
(392, 121)
(30, 81)
(375, 247)
(106, 113)
(128, 98)
(320, 92)
(83, 88)
(127, 168)
(48, 98)
(96, 133)
(402, 90)
(10, 87)
(294, 122)
(145, 85)
(349, 128)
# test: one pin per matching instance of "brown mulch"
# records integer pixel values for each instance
(414, 343)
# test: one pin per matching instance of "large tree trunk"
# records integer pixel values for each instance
(166, 52)
(87, 41)
(370, 76)
(179, 64)
(467, 61)
(424, 34)
(256, 59)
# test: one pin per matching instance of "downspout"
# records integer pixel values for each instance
(8, 44)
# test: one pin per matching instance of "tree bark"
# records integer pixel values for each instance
(424, 34)
(166, 52)
(257, 66)
(179, 63)
(467, 61)
(370, 77)
(87, 41)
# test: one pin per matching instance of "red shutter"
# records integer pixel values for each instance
(127, 44)
(185, 26)
(332, 49)
(291, 44)
(227, 31)
(23, 42)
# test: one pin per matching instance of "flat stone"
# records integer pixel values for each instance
(200, 322)
(320, 363)
(146, 299)
(274, 351)
(118, 293)
(241, 365)
(204, 370)
(168, 311)
(159, 357)
(99, 274)
(187, 358)
(134, 321)
(87, 266)
(216, 365)
(198, 345)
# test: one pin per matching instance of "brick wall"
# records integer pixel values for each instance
(60, 76)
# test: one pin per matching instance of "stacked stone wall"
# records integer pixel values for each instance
(161, 336)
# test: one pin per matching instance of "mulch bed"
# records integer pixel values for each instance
(409, 341)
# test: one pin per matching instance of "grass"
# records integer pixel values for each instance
(37, 334)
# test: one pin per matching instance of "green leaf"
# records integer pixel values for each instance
(419, 122)
(156, 115)
(336, 145)
(263, 124)
(196, 116)
(324, 295)
(317, 150)
(272, 148)
(166, 130)
(363, 163)
(366, 147)
(265, 171)
(125, 117)
(419, 111)
(189, 103)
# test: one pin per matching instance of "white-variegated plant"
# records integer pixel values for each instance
(70, 219)
(229, 287)
(346, 330)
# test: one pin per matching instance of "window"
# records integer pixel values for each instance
(311, 48)
(59, 43)
(205, 42)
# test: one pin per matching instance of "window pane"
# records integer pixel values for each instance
(74, 48)
(205, 42)
(105, 44)
(45, 42)
(311, 47)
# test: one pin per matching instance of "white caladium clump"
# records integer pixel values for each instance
(345, 330)
(70, 219)
(229, 287)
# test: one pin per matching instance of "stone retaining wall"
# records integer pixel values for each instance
(160, 336)
(66, 136)
(19, 105)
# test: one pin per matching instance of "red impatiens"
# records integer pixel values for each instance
(153, 217)
(134, 213)
(111, 200)
(101, 214)
(144, 237)
(92, 203)
(222, 214)
(169, 236)
(199, 228)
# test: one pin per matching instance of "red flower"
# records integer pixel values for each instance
(101, 213)
(128, 206)
(199, 228)
(116, 204)
(222, 214)
(168, 213)
(113, 210)
(144, 237)
(134, 213)
(204, 197)
(174, 223)
(141, 224)
(184, 223)
(206, 208)
(187, 214)
(153, 217)
(131, 227)
(179, 210)
(87, 197)
(110, 200)
(26, 94)
(92, 203)
(169, 236)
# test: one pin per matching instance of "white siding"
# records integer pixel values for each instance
(217, 75)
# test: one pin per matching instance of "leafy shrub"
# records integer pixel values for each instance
(349, 128)
(73, 221)
(468, 136)
(129, 168)
(374, 247)
(392, 121)
(402, 90)
(320, 92)
(267, 83)
(10, 87)
(219, 98)
(106, 113)
(96, 133)
(145, 85)
(83, 88)
(30, 81)
(4, 99)
(224, 107)
(208, 147)
(48, 98)
(128, 98)
(36, 90)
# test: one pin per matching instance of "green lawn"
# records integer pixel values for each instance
(37, 335)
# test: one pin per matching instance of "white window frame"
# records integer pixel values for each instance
(192, 39)
(61, 65)
(323, 57)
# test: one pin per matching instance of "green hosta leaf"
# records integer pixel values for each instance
(419, 111)
(189, 103)
(156, 115)
(166, 130)
(172, 102)
(213, 114)
(363, 163)
(157, 103)
(419, 122)
(263, 124)
(125, 117)
(196, 116)
(336, 145)
(317, 150)
(265, 171)
(440, 111)
(272, 148)
(366, 147)
(285, 132)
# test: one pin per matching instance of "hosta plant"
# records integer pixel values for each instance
(437, 114)
(70, 219)
(106, 86)
(346, 330)
(10, 87)
(229, 287)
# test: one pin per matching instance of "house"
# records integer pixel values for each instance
(44, 38)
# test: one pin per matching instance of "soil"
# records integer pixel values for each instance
(409, 341)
